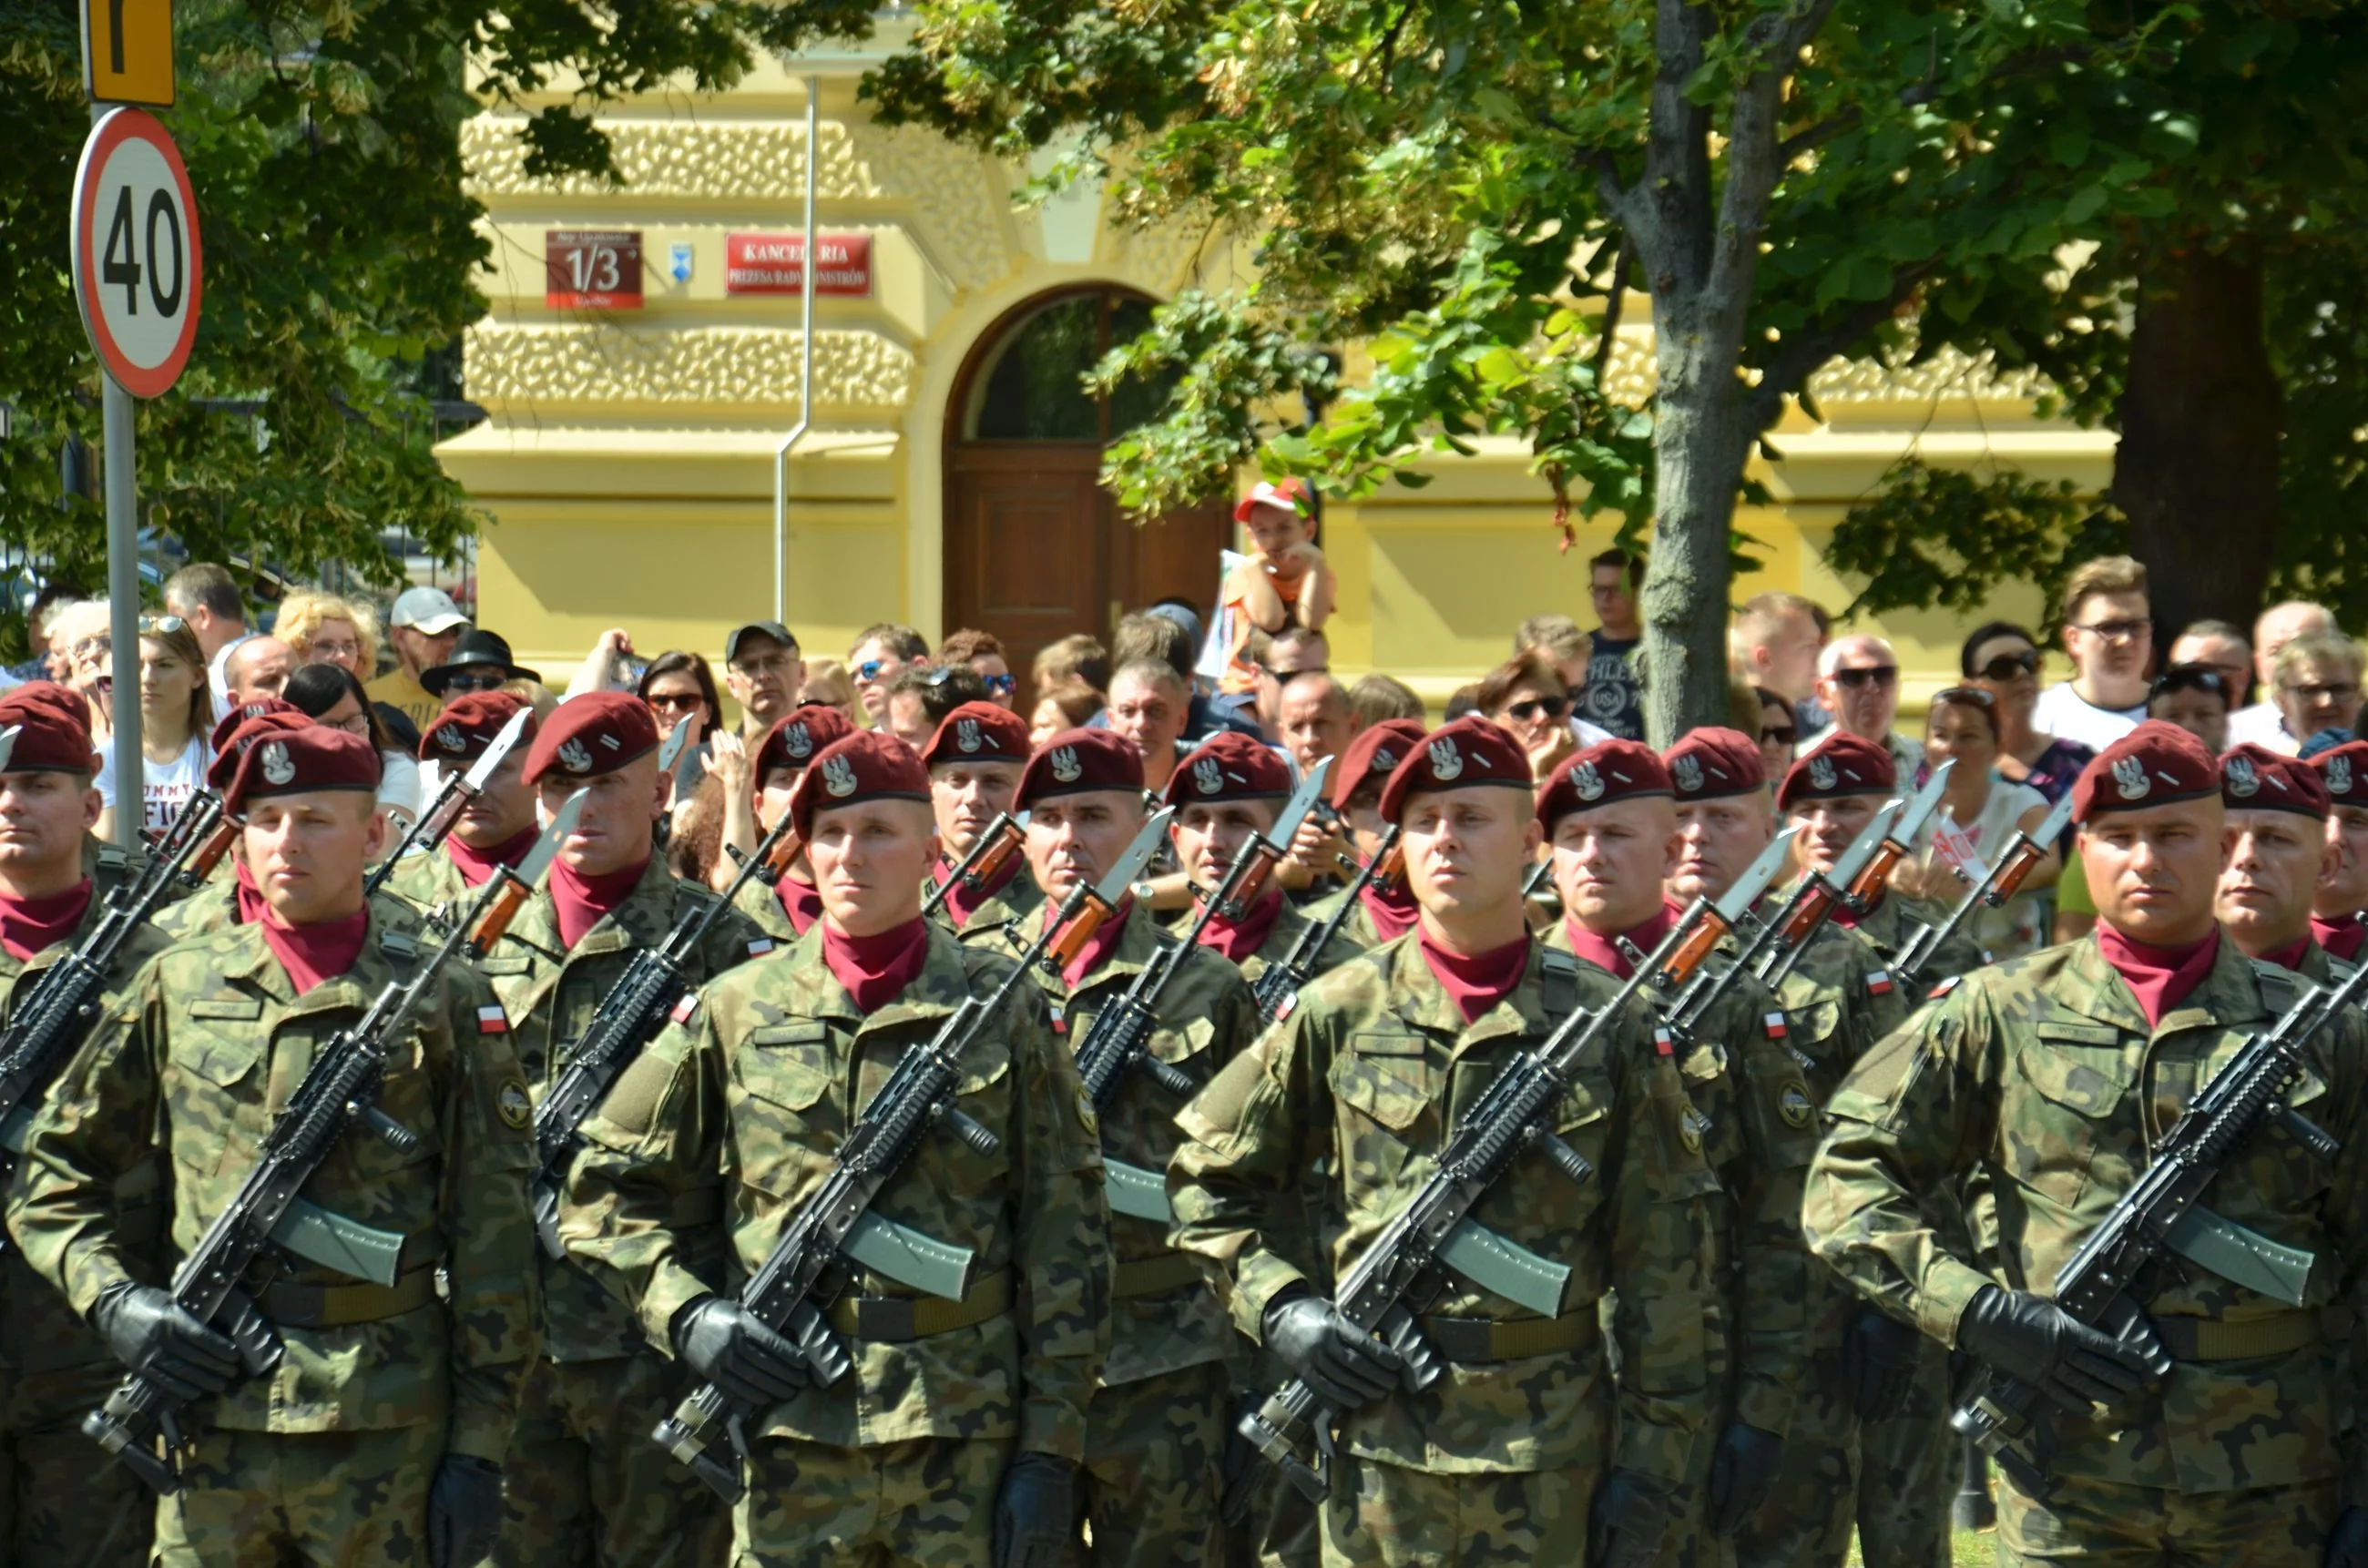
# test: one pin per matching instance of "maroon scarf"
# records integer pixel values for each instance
(802, 902)
(876, 969)
(311, 954)
(1097, 952)
(29, 926)
(2342, 937)
(476, 865)
(1237, 942)
(2161, 978)
(961, 903)
(249, 894)
(1604, 952)
(583, 903)
(1479, 983)
(1392, 912)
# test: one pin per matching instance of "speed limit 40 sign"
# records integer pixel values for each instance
(136, 259)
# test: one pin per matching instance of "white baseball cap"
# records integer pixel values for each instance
(430, 610)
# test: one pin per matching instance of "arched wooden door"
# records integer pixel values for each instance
(1034, 549)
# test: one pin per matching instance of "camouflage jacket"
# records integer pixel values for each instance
(214, 908)
(1017, 898)
(1358, 930)
(39, 1332)
(428, 880)
(2044, 1075)
(758, 1087)
(1311, 1142)
(1888, 925)
(1759, 1124)
(1204, 1020)
(198, 1056)
(550, 991)
(1291, 926)
(761, 907)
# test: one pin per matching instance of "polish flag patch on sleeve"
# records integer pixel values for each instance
(1774, 1023)
(1878, 982)
(760, 946)
(1663, 1043)
(685, 1007)
(493, 1020)
(1943, 988)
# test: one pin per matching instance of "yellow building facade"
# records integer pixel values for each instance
(628, 462)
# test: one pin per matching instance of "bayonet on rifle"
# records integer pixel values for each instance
(2000, 882)
(435, 824)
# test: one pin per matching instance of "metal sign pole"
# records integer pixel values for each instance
(123, 607)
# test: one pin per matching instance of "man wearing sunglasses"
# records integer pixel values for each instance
(480, 660)
(881, 654)
(762, 670)
(983, 653)
(1858, 683)
(2108, 631)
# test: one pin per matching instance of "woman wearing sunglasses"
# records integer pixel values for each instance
(1525, 698)
(2003, 660)
(1981, 811)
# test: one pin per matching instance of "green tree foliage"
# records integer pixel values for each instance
(322, 138)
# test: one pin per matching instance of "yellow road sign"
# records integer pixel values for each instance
(127, 51)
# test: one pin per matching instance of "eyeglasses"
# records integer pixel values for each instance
(2118, 630)
(771, 664)
(1779, 735)
(1001, 686)
(2006, 666)
(329, 653)
(465, 682)
(356, 724)
(2334, 691)
(1881, 675)
(2190, 677)
(687, 699)
(1529, 708)
(1972, 694)
(166, 625)
(869, 670)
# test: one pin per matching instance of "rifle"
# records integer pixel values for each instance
(1277, 990)
(1515, 1113)
(2108, 1281)
(1266, 850)
(836, 1231)
(627, 1019)
(2022, 855)
(459, 792)
(990, 852)
(61, 1002)
(1864, 887)
(337, 1090)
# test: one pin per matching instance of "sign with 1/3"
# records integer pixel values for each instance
(137, 264)
(592, 270)
(775, 264)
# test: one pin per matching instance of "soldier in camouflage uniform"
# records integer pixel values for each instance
(1156, 1428)
(2342, 888)
(1515, 1454)
(756, 1087)
(1610, 814)
(2219, 1441)
(59, 1509)
(974, 759)
(1838, 1000)
(385, 1423)
(495, 829)
(1384, 909)
(2279, 849)
(787, 909)
(585, 1485)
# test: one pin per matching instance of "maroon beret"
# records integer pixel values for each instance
(2157, 764)
(1229, 765)
(1464, 754)
(468, 725)
(52, 725)
(596, 732)
(865, 765)
(2344, 770)
(1372, 756)
(2255, 779)
(298, 760)
(797, 740)
(1605, 772)
(257, 709)
(271, 717)
(1077, 761)
(978, 732)
(1710, 763)
(1840, 765)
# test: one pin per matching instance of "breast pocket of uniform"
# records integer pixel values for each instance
(984, 1095)
(2277, 1170)
(407, 1093)
(782, 1124)
(1187, 1048)
(1782, 1113)
(1385, 1086)
(213, 1084)
(2080, 1074)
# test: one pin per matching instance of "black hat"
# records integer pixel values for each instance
(474, 646)
(772, 628)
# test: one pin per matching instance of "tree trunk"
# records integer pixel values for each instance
(1701, 438)
(2196, 473)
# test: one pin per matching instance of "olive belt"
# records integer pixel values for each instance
(1514, 1339)
(290, 1305)
(2237, 1340)
(1154, 1276)
(898, 1320)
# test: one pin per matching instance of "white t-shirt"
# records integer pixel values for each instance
(2022, 926)
(2264, 726)
(2064, 713)
(165, 787)
(398, 787)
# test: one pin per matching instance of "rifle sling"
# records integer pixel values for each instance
(1160, 1276)
(899, 1320)
(2237, 1339)
(1477, 1340)
(291, 1305)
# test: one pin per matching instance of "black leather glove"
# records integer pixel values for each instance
(1742, 1474)
(165, 1342)
(739, 1355)
(1036, 1513)
(1630, 1515)
(2039, 1344)
(1345, 1366)
(464, 1511)
(2347, 1545)
(1879, 1359)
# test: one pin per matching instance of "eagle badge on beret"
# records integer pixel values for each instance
(797, 740)
(277, 767)
(2244, 780)
(1208, 776)
(574, 758)
(1446, 762)
(1064, 765)
(838, 777)
(1686, 773)
(1587, 781)
(1821, 773)
(966, 736)
(2129, 779)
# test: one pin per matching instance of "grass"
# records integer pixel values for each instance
(1967, 1549)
